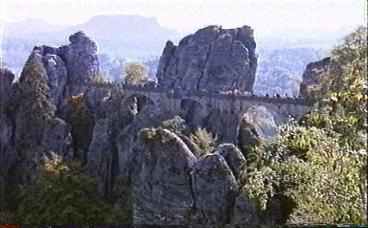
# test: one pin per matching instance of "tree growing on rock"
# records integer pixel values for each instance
(321, 163)
(205, 140)
(64, 194)
(135, 73)
(35, 107)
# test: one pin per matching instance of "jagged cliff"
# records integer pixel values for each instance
(133, 151)
(213, 59)
(313, 77)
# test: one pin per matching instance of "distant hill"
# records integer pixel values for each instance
(127, 36)
(31, 29)
(119, 36)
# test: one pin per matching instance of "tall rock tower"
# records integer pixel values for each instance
(212, 59)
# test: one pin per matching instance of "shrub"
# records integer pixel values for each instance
(135, 72)
(176, 125)
(205, 140)
(65, 194)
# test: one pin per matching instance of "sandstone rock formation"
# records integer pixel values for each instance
(99, 148)
(262, 120)
(255, 124)
(162, 183)
(312, 78)
(6, 125)
(150, 116)
(213, 59)
(58, 138)
(69, 66)
(234, 158)
(6, 79)
(140, 149)
(214, 187)
(56, 72)
(80, 57)
(244, 211)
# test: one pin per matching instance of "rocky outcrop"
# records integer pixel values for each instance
(6, 79)
(244, 211)
(100, 147)
(125, 164)
(80, 57)
(255, 124)
(58, 138)
(56, 72)
(6, 125)
(234, 158)
(214, 187)
(6, 131)
(312, 77)
(262, 120)
(69, 66)
(162, 182)
(213, 59)
(150, 116)
(217, 119)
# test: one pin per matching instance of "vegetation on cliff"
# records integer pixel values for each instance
(153, 168)
(321, 163)
(64, 194)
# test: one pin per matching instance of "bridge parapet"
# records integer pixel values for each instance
(205, 95)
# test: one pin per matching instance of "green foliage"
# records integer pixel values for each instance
(346, 111)
(135, 73)
(321, 164)
(176, 125)
(326, 182)
(205, 140)
(82, 121)
(101, 79)
(64, 194)
(34, 104)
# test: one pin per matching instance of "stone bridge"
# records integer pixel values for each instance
(197, 106)
(282, 108)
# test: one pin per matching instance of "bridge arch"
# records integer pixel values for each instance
(192, 111)
(139, 101)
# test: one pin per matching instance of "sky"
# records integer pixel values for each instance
(185, 15)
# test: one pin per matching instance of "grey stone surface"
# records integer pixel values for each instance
(312, 77)
(214, 187)
(56, 72)
(213, 59)
(255, 124)
(6, 130)
(80, 57)
(150, 116)
(162, 182)
(69, 66)
(244, 212)
(100, 147)
(58, 138)
(6, 79)
(191, 145)
(234, 158)
(262, 120)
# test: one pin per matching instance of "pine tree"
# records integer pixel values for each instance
(35, 107)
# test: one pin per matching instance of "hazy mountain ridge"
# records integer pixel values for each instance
(119, 36)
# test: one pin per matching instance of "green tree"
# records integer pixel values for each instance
(82, 121)
(100, 79)
(176, 125)
(35, 107)
(205, 140)
(65, 194)
(135, 73)
(321, 163)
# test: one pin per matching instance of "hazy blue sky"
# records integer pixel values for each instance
(264, 15)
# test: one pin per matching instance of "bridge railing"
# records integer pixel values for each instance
(179, 93)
